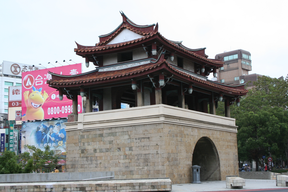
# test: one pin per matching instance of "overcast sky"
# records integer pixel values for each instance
(34, 31)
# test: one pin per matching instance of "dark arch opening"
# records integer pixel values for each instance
(205, 155)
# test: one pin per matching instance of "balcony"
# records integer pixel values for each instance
(152, 114)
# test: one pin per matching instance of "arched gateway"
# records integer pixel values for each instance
(205, 155)
(172, 105)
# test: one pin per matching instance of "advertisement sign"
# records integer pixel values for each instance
(18, 115)
(42, 133)
(2, 144)
(16, 69)
(20, 138)
(15, 142)
(11, 140)
(15, 96)
(39, 101)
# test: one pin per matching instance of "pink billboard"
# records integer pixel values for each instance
(39, 101)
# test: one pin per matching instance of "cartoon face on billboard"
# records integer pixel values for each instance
(34, 102)
(41, 101)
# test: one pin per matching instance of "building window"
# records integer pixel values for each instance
(5, 110)
(236, 78)
(180, 62)
(221, 68)
(222, 80)
(245, 56)
(8, 83)
(18, 84)
(245, 62)
(125, 56)
(230, 57)
(5, 96)
(6, 103)
(6, 90)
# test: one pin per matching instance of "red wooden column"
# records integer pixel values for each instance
(74, 116)
(227, 107)
(205, 106)
(158, 95)
(212, 105)
(88, 107)
(140, 101)
(75, 104)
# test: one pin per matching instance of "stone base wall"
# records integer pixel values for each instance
(54, 177)
(258, 175)
(150, 150)
(99, 186)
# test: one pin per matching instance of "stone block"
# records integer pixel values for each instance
(282, 180)
(234, 182)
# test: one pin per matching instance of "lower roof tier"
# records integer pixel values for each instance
(108, 75)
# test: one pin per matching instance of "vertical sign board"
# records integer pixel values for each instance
(20, 139)
(2, 138)
(11, 140)
(15, 96)
(18, 115)
(15, 142)
(39, 101)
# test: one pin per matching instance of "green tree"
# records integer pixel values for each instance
(9, 164)
(43, 160)
(262, 120)
(23, 158)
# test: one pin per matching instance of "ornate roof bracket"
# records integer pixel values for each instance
(152, 81)
(69, 96)
(145, 49)
(95, 59)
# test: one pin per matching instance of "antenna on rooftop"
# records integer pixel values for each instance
(51, 64)
(58, 62)
(42, 65)
(72, 61)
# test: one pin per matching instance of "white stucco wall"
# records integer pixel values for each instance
(188, 64)
(139, 53)
(107, 99)
(124, 36)
(111, 59)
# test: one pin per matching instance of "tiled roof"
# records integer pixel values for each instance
(149, 32)
(209, 83)
(187, 50)
(128, 24)
(105, 77)
(87, 49)
(124, 26)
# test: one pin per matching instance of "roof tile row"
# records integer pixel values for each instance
(110, 75)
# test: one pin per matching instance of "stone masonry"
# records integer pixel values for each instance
(148, 142)
(99, 186)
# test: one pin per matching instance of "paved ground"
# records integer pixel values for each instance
(251, 185)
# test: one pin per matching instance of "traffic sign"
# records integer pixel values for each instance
(270, 159)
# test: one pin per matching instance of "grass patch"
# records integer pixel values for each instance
(279, 171)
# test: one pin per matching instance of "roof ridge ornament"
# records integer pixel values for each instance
(156, 28)
(124, 17)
